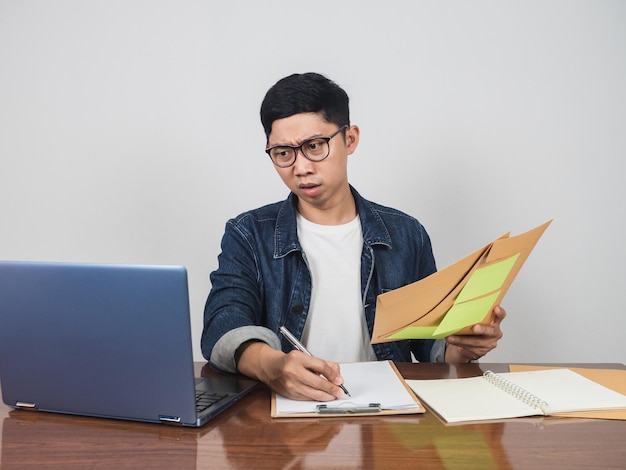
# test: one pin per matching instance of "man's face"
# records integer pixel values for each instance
(318, 185)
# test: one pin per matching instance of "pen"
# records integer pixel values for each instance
(300, 347)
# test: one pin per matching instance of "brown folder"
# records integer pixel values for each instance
(454, 299)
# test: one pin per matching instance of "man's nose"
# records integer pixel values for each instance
(302, 164)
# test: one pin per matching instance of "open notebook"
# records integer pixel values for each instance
(515, 394)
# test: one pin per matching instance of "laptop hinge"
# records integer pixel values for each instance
(22, 405)
(169, 419)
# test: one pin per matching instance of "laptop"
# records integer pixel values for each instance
(102, 340)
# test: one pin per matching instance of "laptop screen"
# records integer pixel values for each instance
(99, 340)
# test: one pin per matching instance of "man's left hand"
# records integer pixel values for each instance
(465, 348)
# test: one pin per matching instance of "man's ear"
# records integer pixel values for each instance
(352, 138)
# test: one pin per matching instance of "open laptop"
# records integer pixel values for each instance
(103, 340)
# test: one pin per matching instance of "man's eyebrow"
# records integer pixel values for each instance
(316, 136)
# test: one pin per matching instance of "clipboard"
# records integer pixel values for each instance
(354, 374)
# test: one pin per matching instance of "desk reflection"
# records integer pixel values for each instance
(436, 446)
(250, 439)
(245, 436)
(58, 441)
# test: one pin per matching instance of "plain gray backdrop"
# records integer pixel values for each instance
(129, 133)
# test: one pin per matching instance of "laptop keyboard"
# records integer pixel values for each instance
(205, 399)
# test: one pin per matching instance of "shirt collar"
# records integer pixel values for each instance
(286, 234)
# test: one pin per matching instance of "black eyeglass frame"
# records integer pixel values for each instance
(300, 147)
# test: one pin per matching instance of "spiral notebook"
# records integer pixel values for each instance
(515, 394)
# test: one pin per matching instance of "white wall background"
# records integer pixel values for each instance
(129, 133)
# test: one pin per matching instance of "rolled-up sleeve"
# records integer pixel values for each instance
(223, 354)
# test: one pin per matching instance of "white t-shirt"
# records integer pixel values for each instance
(335, 329)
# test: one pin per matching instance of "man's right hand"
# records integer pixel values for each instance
(294, 375)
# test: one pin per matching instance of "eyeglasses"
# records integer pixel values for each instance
(315, 149)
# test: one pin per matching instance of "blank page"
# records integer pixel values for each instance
(469, 399)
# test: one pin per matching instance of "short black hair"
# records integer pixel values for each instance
(305, 93)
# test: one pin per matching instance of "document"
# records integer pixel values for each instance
(454, 299)
(375, 387)
(515, 394)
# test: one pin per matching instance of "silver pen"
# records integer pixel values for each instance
(300, 347)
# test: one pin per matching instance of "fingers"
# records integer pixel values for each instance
(466, 348)
(294, 375)
(458, 354)
(498, 315)
(305, 377)
(472, 347)
(494, 327)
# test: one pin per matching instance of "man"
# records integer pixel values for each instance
(316, 262)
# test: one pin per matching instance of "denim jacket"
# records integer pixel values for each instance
(263, 281)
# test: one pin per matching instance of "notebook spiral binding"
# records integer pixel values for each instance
(515, 390)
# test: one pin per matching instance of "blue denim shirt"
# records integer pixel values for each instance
(263, 281)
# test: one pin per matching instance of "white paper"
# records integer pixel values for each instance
(367, 382)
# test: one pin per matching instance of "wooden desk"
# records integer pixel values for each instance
(246, 437)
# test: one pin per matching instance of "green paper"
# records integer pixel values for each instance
(414, 332)
(487, 279)
(463, 314)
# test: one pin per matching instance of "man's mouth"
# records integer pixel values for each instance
(309, 189)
